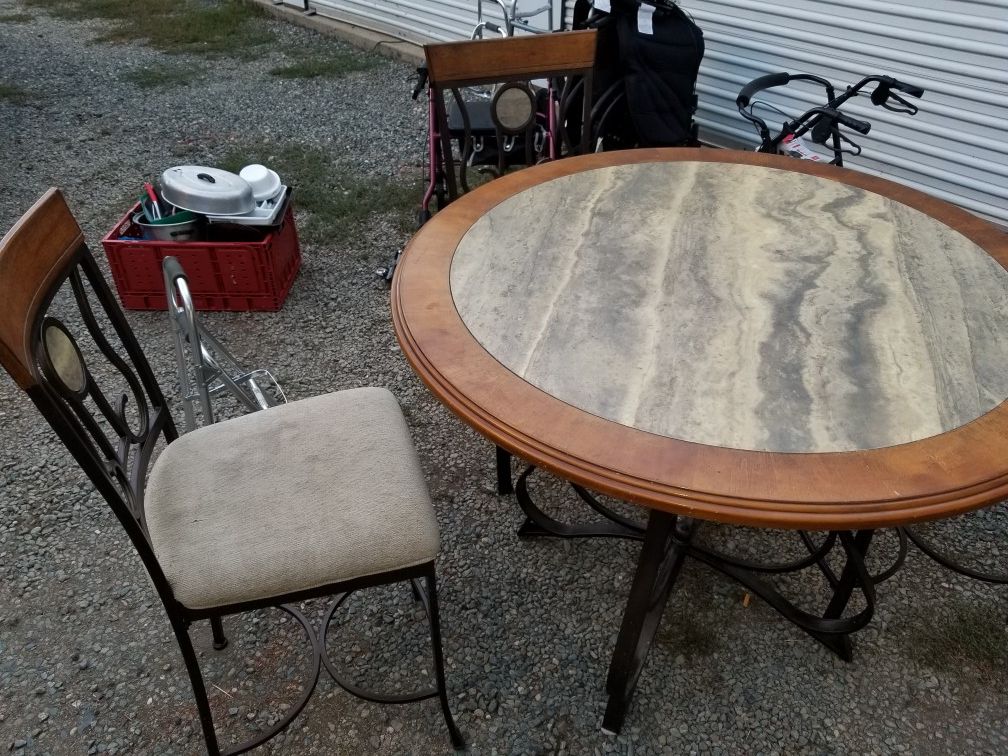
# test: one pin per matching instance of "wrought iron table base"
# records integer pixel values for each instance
(504, 487)
(538, 523)
(668, 540)
(946, 561)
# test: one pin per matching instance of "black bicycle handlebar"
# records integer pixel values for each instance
(885, 86)
(909, 89)
(862, 127)
(757, 85)
(421, 81)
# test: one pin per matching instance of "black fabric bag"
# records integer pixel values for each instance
(645, 84)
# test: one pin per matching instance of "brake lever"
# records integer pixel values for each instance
(852, 143)
(908, 107)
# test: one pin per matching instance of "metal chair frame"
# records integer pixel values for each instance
(206, 368)
(44, 251)
(513, 19)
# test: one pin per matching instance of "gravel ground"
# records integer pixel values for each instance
(87, 660)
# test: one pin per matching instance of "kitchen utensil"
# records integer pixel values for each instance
(185, 230)
(269, 213)
(179, 217)
(210, 191)
(148, 187)
(265, 183)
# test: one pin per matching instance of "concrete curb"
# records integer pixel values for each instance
(358, 36)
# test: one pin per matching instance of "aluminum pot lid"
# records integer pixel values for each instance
(210, 191)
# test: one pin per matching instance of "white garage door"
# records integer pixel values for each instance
(955, 148)
(424, 20)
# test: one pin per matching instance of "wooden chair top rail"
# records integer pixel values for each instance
(34, 256)
(488, 60)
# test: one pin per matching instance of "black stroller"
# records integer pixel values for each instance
(649, 54)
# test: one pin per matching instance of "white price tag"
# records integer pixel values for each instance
(796, 147)
(645, 19)
(602, 5)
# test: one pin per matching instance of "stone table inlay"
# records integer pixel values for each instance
(737, 306)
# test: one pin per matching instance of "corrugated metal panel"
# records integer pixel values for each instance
(954, 148)
(568, 14)
(423, 21)
(414, 20)
(957, 50)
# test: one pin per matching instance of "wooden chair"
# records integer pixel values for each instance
(312, 498)
(565, 57)
(454, 65)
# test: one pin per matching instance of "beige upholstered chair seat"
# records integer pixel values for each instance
(291, 498)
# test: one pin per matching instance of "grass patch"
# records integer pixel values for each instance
(12, 94)
(328, 65)
(335, 200)
(214, 27)
(16, 18)
(965, 634)
(163, 78)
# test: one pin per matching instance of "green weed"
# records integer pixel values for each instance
(330, 66)
(12, 94)
(156, 78)
(335, 200)
(218, 27)
(963, 634)
(16, 18)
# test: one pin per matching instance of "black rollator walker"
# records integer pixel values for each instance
(823, 122)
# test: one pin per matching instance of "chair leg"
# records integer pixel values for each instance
(196, 680)
(220, 640)
(458, 742)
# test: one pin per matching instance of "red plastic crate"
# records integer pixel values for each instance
(223, 275)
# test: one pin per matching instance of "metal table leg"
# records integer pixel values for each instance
(504, 485)
(668, 540)
(661, 559)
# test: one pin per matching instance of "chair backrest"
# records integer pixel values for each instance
(107, 408)
(454, 65)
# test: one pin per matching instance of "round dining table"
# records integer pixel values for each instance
(721, 336)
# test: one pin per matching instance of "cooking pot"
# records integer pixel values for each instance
(209, 191)
(187, 229)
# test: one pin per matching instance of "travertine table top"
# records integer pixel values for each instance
(738, 306)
